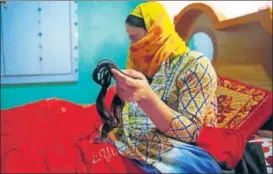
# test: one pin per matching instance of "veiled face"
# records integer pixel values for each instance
(135, 33)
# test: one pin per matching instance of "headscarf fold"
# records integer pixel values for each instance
(160, 43)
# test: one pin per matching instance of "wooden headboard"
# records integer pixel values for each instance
(243, 45)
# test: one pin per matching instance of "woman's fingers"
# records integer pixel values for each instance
(117, 73)
(120, 89)
(123, 79)
(126, 94)
(134, 74)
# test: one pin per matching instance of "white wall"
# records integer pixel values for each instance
(230, 9)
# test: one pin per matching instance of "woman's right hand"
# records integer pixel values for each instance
(132, 86)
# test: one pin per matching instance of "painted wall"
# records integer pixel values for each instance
(101, 35)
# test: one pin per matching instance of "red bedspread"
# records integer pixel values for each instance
(51, 136)
(54, 136)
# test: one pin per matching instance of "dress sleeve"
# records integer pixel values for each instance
(197, 93)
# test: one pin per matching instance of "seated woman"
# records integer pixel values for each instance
(169, 93)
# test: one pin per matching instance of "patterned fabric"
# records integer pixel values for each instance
(239, 103)
(160, 43)
(188, 85)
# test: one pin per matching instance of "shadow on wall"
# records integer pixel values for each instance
(102, 34)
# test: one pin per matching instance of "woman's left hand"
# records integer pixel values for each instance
(133, 86)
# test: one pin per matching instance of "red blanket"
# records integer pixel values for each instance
(54, 136)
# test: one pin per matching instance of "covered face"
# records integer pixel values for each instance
(153, 38)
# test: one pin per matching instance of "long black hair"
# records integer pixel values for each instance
(102, 75)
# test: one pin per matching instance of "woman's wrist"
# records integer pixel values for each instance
(148, 99)
(157, 111)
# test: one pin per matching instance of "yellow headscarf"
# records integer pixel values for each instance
(160, 43)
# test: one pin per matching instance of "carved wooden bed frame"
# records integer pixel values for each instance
(243, 45)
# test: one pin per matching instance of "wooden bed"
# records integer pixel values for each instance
(242, 52)
(243, 45)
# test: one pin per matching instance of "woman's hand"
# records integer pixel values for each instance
(136, 88)
(133, 86)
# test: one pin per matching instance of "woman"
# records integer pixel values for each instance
(162, 120)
